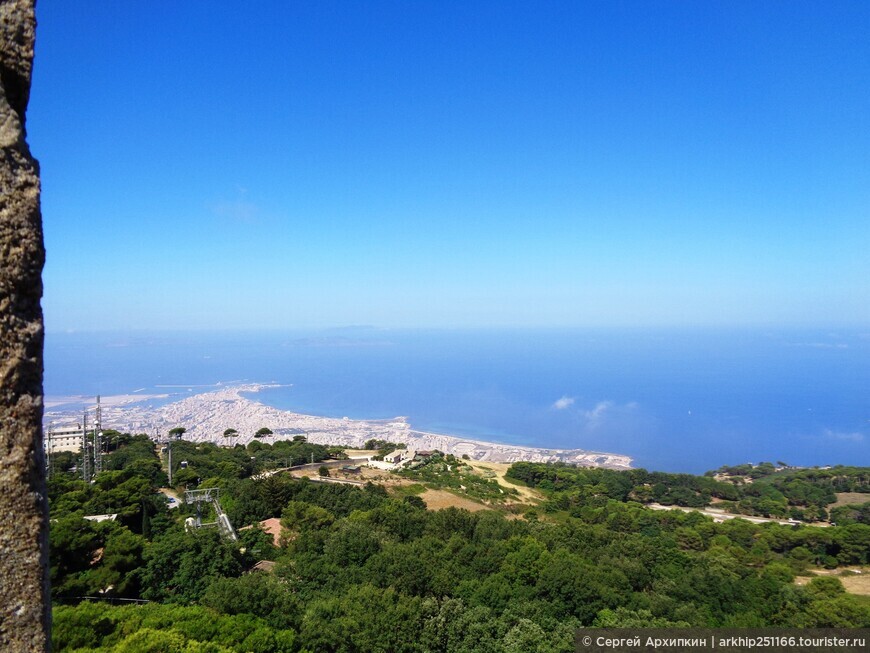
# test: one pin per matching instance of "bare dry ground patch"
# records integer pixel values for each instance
(438, 499)
(441, 499)
(382, 477)
(527, 494)
(856, 580)
(850, 498)
(359, 453)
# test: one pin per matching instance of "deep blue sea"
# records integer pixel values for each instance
(674, 400)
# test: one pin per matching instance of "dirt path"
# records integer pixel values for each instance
(720, 515)
(527, 494)
(171, 494)
(168, 491)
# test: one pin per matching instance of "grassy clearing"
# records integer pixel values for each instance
(856, 580)
(441, 499)
(498, 471)
(850, 499)
(408, 490)
(450, 473)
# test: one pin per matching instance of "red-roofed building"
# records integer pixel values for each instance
(272, 527)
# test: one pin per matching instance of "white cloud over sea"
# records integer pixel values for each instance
(820, 345)
(563, 402)
(845, 436)
(602, 416)
(607, 412)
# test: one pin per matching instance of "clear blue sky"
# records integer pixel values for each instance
(298, 164)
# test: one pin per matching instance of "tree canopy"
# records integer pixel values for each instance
(361, 568)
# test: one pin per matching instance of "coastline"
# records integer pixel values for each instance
(206, 415)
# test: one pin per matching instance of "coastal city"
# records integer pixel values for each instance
(207, 415)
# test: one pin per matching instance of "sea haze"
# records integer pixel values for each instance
(673, 400)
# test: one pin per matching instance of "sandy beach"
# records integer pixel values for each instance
(207, 415)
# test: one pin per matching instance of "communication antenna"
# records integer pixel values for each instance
(47, 442)
(86, 459)
(98, 438)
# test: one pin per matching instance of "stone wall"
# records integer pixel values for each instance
(24, 606)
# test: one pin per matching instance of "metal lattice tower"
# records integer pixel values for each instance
(98, 438)
(86, 456)
(48, 442)
(209, 495)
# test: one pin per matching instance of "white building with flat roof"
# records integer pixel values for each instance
(67, 437)
(399, 456)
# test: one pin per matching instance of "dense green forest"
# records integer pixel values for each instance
(761, 490)
(363, 569)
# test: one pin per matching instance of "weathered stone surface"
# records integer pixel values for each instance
(24, 608)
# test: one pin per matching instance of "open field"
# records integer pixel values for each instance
(435, 498)
(720, 515)
(359, 453)
(856, 580)
(527, 494)
(441, 499)
(850, 498)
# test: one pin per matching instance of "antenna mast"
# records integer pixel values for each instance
(98, 438)
(86, 459)
(48, 443)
